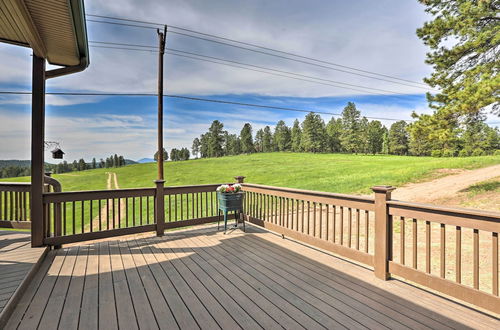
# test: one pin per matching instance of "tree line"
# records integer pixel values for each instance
(64, 167)
(175, 154)
(351, 133)
(81, 165)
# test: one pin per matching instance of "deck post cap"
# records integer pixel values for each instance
(159, 181)
(383, 189)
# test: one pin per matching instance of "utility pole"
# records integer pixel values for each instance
(161, 52)
(160, 182)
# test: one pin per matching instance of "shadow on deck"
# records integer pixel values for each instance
(200, 278)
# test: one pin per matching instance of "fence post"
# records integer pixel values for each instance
(159, 208)
(239, 179)
(383, 233)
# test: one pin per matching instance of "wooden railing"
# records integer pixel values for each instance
(79, 216)
(14, 205)
(454, 251)
(338, 223)
(383, 233)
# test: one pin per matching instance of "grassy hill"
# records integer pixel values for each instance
(325, 172)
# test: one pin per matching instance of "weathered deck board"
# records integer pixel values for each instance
(18, 261)
(200, 278)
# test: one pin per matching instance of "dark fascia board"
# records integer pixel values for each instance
(80, 29)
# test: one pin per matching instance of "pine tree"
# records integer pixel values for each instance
(296, 135)
(259, 136)
(204, 138)
(350, 138)
(267, 140)
(464, 37)
(313, 133)
(216, 139)
(94, 163)
(247, 139)
(398, 138)
(196, 147)
(282, 138)
(375, 133)
(385, 142)
(333, 134)
(235, 145)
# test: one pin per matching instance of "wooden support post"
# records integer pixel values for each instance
(160, 208)
(383, 234)
(37, 149)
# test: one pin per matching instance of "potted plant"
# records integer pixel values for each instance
(230, 198)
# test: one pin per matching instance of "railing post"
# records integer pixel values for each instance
(37, 147)
(239, 179)
(160, 207)
(383, 234)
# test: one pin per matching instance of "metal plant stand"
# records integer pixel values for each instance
(230, 202)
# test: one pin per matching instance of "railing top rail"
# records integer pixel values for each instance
(494, 216)
(69, 196)
(312, 192)
(467, 218)
(15, 186)
(170, 190)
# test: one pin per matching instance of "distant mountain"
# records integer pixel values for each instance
(130, 162)
(145, 160)
(15, 162)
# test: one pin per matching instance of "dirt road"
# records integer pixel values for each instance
(107, 220)
(445, 187)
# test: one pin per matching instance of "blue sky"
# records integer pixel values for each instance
(377, 36)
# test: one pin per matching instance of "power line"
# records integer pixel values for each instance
(274, 55)
(261, 47)
(191, 98)
(280, 73)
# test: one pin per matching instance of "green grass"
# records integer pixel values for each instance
(492, 185)
(324, 172)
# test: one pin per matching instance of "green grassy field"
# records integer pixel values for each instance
(339, 173)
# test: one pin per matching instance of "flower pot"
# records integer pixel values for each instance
(230, 201)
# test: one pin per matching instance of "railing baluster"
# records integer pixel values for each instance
(327, 222)
(99, 214)
(308, 217)
(458, 254)
(314, 219)
(91, 218)
(476, 258)
(367, 231)
(341, 229)
(428, 246)
(126, 212)
(494, 263)
(74, 217)
(402, 240)
(140, 210)
(415, 242)
(443, 250)
(64, 218)
(349, 229)
(83, 217)
(357, 229)
(334, 224)
(182, 208)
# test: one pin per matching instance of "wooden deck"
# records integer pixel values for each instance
(18, 263)
(199, 278)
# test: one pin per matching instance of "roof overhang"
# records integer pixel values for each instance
(54, 29)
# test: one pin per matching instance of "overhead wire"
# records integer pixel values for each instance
(275, 72)
(192, 98)
(258, 46)
(269, 54)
